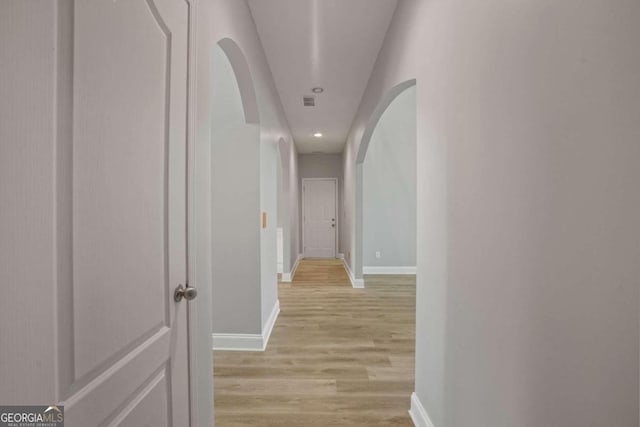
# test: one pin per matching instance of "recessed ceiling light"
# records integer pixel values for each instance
(317, 135)
(317, 90)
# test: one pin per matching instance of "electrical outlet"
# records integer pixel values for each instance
(378, 255)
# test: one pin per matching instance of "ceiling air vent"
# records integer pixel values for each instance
(309, 101)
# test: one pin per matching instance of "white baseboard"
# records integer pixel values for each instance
(418, 414)
(340, 256)
(248, 342)
(271, 322)
(388, 270)
(356, 283)
(237, 342)
(288, 277)
(280, 268)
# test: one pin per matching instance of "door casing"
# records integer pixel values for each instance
(337, 227)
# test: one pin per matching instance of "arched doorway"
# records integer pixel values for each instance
(404, 117)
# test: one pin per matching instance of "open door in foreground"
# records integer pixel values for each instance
(117, 351)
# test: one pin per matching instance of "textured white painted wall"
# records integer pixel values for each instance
(268, 236)
(528, 258)
(389, 187)
(236, 236)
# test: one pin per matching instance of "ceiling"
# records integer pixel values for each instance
(331, 44)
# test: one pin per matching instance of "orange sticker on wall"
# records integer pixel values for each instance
(264, 220)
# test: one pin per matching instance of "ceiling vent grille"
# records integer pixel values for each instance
(309, 101)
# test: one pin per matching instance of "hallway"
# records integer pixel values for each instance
(365, 212)
(337, 356)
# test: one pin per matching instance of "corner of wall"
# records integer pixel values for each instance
(356, 283)
(418, 414)
(247, 342)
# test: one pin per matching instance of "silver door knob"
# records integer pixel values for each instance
(189, 293)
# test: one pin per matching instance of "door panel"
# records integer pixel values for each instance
(119, 187)
(143, 411)
(126, 360)
(319, 218)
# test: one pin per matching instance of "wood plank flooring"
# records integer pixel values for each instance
(337, 356)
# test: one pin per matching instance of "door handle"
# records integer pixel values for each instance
(189, 293)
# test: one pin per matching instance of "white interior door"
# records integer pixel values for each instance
(115, 202)
(319, 216)
(129, 361)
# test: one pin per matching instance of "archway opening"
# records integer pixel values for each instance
(283, 220)
(235, 198)
(386, 187)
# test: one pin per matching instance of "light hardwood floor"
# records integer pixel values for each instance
(337, 356)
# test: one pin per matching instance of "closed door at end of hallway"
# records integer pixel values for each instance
(319, 217)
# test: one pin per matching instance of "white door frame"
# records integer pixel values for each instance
(335, 181)
(199, 311)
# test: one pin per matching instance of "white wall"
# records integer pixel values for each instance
(527, 253)
(321, 166)
(268, 235)
(232, 19)
(291, 183)
(389, 187)
(282, 213)
(244, 184)
(235, 203)
(287, 203)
